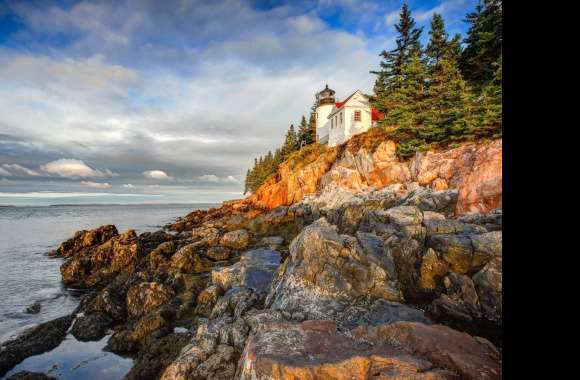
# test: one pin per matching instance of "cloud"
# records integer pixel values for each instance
(231, 179)
(97, 185)
(17, 170)
(443, 8)
(72, 168)
(157, 174)
(209, 178)
(128, 186)
(392, 18)
(212, 178)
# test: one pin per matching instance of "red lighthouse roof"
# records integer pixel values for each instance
(376, 115)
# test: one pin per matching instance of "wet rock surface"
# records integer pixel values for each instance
(255, 270)
(96, 264)
(33, 308)
(91, 327)
(86, 239)
(34, 341)
(26, 375)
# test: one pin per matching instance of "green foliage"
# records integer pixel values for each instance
(290, 143)
(305, 135)
(483, 42)
(429, 100)
(267, 165)
(393, 62)
(294, 141)
(407, 100)
(438, 46)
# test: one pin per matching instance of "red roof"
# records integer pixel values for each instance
(376, 115)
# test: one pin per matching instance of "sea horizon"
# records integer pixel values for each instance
(112, 204)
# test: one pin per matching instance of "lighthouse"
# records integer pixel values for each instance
(325, 102)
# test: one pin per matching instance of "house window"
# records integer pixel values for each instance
(341, 118)
(357, 116)
(331, 123)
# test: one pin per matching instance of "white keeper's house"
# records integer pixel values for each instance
(337, 122)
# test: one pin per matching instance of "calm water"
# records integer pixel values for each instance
(28, 275)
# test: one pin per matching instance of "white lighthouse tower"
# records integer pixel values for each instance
(324, 104)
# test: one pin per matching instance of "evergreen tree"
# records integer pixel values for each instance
(278, 158)
(455, 47)
(483, 42)
(312, 121)
(394, 61)
(268, 166)
(486, 119)
(290, 143)
(407, 103)
(247, 182)
(312, 126)
(251, 178)
(379, 92)
(438, 45)
(446, 111)
(304, 133)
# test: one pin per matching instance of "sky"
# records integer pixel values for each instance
(130, 101)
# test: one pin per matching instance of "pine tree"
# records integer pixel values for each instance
(486, 119)
(312, 126)
(483, 42)
(446, 116)
(304, 133)
(447, 97)
(438, 45)
(379, 93)
(312, 121)
(455, 47)
(407, 103)
(394, 62)
(268, 166)
(278, 158)
(251, 177)
(290, 143)
(246, 182)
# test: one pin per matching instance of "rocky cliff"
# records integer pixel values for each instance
(369, 161)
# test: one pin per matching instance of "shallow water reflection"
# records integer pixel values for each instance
(73, 359)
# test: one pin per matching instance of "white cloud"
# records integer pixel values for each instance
(231, 179)
(209, 178)
(392, 17)
(16, 170)
(97, 185)
(212, 178)
(128, 186)
(72, 168)
(157, 174)
(443, 8)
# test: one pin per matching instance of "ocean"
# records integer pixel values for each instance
(28, 275)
